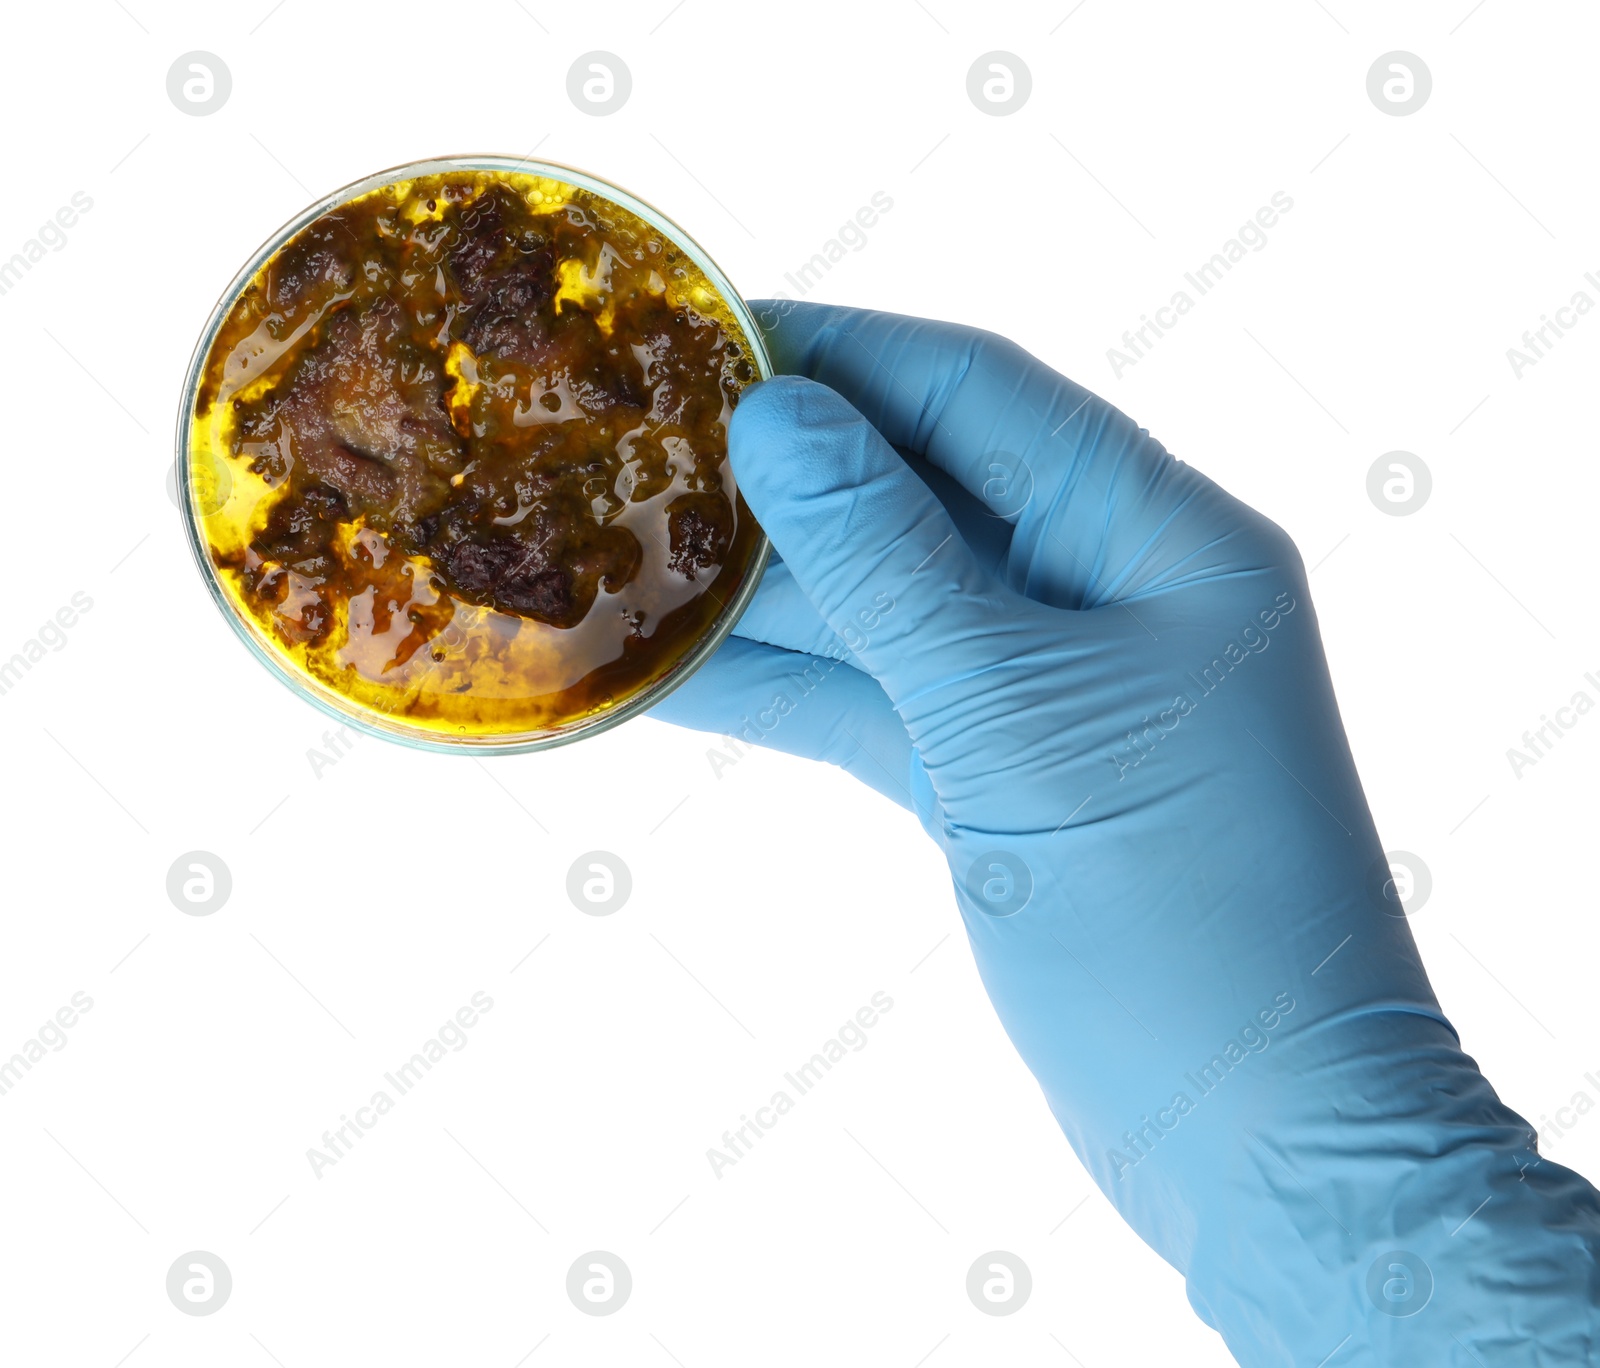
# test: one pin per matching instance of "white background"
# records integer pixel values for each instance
(772, 902)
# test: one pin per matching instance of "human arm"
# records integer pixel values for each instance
(1098, 681)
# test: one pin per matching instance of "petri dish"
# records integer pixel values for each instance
(452, 456)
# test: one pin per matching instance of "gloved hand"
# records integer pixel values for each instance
(1098, 681)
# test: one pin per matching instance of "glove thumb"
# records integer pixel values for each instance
(867, 542)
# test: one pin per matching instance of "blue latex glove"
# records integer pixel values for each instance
(1098, 681)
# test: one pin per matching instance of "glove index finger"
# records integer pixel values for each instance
(1098, 508)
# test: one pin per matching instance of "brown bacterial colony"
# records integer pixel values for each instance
(460, 452)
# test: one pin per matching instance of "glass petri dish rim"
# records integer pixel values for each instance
(330, 701)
